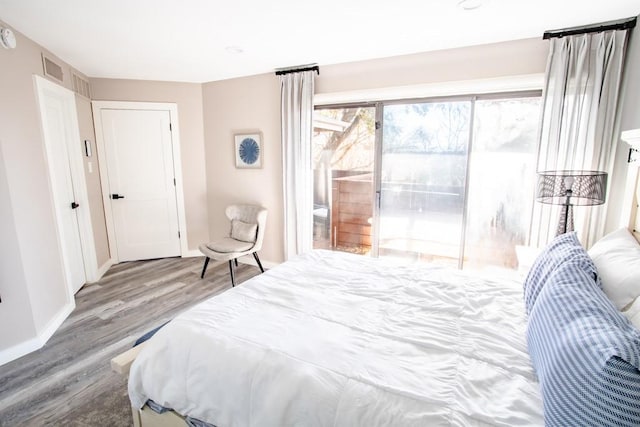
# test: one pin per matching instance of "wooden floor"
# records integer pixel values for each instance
(68, 382)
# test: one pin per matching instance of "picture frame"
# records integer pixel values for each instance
(248, 150)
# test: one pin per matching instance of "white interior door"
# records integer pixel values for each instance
(141, 182)
(57, 110)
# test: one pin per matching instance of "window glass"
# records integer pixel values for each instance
(501, 180)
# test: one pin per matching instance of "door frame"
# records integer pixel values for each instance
(172, 108)
(76, 166)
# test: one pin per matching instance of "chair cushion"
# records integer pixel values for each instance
(243, 231)
(229, 245)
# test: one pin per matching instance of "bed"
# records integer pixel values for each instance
(339, 339)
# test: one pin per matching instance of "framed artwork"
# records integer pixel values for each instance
(248, 150)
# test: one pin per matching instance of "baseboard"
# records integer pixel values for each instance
(191, 253)
(248, 259)
(37, 342)
(103, 269)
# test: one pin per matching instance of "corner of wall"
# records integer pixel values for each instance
(15, 308)
(628, 118)
(36, 342)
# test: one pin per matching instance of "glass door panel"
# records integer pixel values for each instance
(343, 164)
(413, 185)
(422, 180)
(501, 180)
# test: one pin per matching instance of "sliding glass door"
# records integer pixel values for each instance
(343, 170)
(448, 180)
(501, 180)
(423, 169)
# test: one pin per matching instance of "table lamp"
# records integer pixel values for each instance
(571, 188)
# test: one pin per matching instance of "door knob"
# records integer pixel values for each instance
(116, 196)
(74, 205)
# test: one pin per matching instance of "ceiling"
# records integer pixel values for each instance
(200, 40)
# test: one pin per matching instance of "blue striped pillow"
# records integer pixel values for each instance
(564, 248)
(585, 353)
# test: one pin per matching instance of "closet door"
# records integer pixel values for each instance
(141, 182)
(62, 142)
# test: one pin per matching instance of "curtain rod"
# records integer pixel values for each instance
(620, 24)
(300, 69)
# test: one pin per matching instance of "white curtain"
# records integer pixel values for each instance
(578, 122)
(296, 105)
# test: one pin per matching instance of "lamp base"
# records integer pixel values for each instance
(565, 224)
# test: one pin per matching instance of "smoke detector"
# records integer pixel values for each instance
(7, 38)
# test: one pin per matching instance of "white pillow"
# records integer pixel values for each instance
(633, 313)
(617, 258)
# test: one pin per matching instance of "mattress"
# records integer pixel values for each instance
(345, 340)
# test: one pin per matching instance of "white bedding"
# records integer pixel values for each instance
(333, 339)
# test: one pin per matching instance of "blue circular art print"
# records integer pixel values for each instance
(249, 151)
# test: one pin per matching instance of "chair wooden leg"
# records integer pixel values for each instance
(206, 262)
(233, 276)
(255, 255)
(236, 261)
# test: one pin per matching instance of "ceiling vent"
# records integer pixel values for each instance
(51, 69)
(80, 85)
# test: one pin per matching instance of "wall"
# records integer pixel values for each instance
(188, 97)
(15, 307)
(518, 57)
(242, 105)
(32, 284)
(629, 118)
(253, 103)
(92, 176)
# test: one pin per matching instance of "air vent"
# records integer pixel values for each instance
(51, 69)
(80, 85)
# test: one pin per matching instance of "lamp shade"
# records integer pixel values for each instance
(574, 187)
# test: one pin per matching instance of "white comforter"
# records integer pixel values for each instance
(332, 339)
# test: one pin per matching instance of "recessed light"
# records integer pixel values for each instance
(470, 4)
(234, 49)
